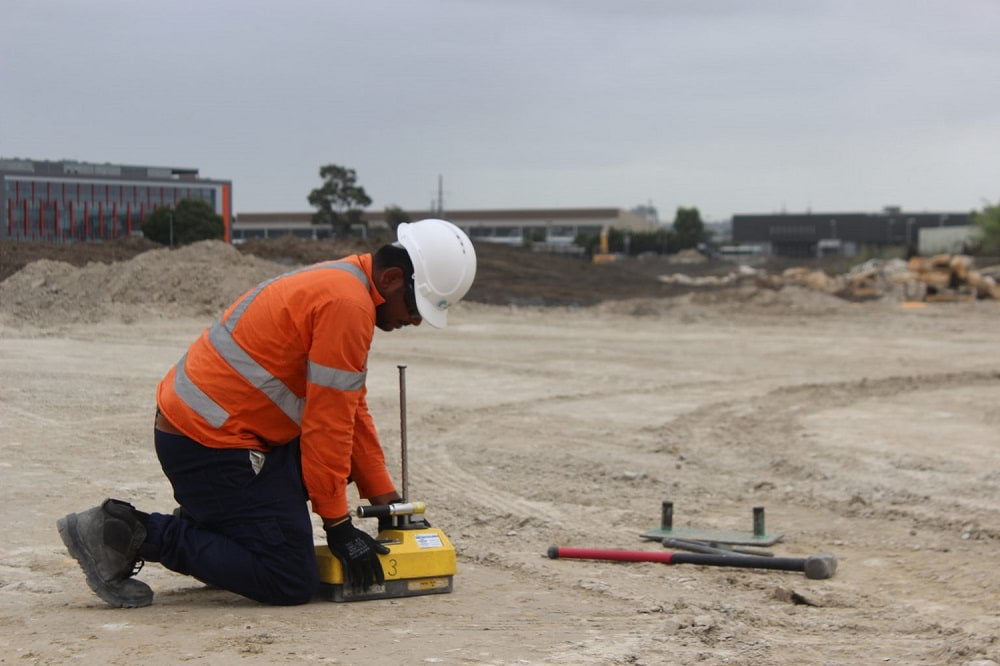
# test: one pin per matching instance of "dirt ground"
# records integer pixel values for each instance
(867, 430)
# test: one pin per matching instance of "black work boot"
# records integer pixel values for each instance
(105, 541)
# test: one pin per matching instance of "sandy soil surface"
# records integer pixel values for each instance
(868, 430)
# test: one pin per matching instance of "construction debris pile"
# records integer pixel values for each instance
(949, 277)
(926, 279)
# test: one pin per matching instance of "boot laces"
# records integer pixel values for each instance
(137, 566)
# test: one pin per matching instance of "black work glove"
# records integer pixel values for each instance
(356, 551)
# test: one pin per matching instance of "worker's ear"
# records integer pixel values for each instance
(389, 280)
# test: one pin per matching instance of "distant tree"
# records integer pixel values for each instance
(339, 201)
(191, 220)
(988, 222)
(587, 241)
(688, 229)
(532, 235)
(659, 241)
(395, 216)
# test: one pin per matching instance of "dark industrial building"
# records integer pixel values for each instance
(824, 234)
(66, 201)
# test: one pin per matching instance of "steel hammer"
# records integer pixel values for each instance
(820, 566)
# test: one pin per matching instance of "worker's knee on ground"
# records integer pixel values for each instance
(284, 564)
(293, 597)
(291, 588)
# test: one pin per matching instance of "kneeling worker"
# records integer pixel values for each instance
(267, 410)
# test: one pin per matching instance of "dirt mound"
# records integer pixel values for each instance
(195, 280)
(15, 255)
(507, 275)
(721, 303)
(291, 250)
(688, 257)
(75, 283)
(789, 299)
(519, 276)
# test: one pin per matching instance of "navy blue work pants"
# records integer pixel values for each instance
(248, 531)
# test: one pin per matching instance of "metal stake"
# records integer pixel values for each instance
(758, 521)
(667, 516)
(402, 430)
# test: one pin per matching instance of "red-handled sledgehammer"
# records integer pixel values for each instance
(820, 566)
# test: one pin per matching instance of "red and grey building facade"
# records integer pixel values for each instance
(68, 201)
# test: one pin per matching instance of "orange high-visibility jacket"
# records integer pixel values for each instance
(289, 359)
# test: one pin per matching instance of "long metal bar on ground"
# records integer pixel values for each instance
(818, 566)
(713, 548)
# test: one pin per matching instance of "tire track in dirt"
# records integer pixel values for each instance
(738, 423)
(770, 416)
(438, 469)
(777, 415)
(445, 429)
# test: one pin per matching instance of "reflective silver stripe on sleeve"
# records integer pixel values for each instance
(344, 266)
(254, 372)
(324, 375)
(197, 399)
(248, 299)
(220, 336)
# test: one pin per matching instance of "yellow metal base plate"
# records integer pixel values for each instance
(419, 562)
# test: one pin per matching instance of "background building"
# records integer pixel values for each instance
(68, 201)
(553, 226)
(948, 240)
(822, 234)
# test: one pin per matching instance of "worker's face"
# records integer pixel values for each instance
(400, 307)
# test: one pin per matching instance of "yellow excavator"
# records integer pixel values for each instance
(604, 256)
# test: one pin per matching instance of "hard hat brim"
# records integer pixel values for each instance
(434, 316)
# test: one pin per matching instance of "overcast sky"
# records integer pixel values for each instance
(729, 106)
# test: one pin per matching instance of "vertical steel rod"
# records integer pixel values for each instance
(758, 521)
(667, 516)
(402, 431)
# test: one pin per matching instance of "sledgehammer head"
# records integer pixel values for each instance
(820, 566)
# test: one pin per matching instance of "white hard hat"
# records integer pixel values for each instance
(444, 265)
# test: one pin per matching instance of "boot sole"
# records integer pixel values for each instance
(74, 544)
